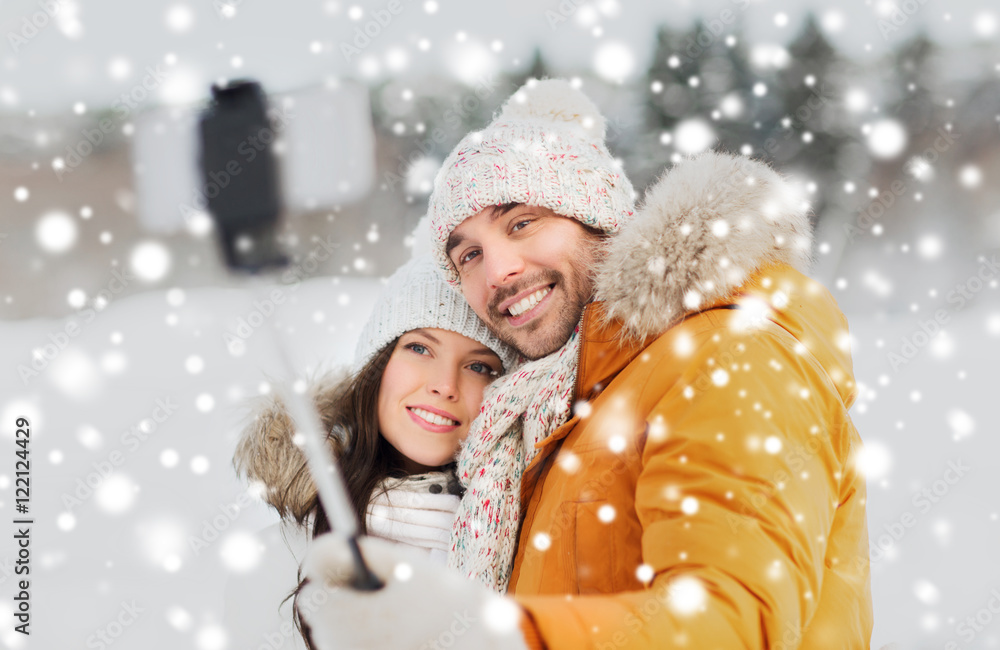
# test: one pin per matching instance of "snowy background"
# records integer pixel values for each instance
(134, 355)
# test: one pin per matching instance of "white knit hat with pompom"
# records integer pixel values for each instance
(416, 296)
(546, 148)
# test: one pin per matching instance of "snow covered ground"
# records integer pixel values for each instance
(134, 496)
(933, 460)
(146, 403)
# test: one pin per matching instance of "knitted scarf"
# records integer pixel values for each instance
(519, 410)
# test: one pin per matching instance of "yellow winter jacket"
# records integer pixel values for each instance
(705, 492)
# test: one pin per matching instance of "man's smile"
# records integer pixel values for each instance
(526, 305)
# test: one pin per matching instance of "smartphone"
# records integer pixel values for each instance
(322, 155)
(239, 175)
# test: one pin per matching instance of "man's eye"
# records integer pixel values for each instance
(468, 257)
(520, 224)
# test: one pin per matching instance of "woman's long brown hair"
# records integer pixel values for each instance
(366, 458)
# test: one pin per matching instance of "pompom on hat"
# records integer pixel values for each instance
(546, 148)
(416, 296)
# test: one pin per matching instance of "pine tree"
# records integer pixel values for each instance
(537, 69)
(808, 88)
(809, 134)
(704, 74)
(913, 75)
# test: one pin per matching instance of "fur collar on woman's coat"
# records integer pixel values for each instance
(266, 455)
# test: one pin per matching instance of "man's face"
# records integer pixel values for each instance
(527, 273)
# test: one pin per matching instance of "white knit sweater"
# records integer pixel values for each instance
(415, 511)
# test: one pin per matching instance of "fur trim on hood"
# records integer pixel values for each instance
(705, 226)
(266, 454)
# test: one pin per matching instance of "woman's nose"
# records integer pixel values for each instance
(444, 383)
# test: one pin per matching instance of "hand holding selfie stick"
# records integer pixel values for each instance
(246, 208)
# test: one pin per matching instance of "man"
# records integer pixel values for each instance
(678, 452)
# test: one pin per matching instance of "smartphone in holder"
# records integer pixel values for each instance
(240, 176)
(323, 145)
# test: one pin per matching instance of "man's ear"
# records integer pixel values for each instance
(595, 232)
(600, 240)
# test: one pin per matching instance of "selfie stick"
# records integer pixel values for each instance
(246, 213)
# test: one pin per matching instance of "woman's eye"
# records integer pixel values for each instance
(418, 348)
(520, 224)
(483, 369)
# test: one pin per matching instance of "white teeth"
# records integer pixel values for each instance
(434, 418)
(527, 303)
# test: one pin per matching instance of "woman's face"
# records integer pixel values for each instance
(431, 392)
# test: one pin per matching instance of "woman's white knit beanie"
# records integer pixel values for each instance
(417, 296)
(546, 148)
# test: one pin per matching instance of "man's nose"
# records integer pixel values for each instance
(503, 265)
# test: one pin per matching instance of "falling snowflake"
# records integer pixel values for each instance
(614, 62)
(970, 176)
(116, 494)
(887, 139)
(961, 423)
(150, 261)
(926, 592)
(56, 232)
(686, 596)
(241, 551)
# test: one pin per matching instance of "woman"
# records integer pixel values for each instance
(421, 365)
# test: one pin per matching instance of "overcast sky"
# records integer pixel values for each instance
(93, 52)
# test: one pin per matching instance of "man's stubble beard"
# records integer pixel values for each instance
(577, 295)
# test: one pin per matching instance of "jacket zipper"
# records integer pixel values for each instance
(547, 454)
(579, 355)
